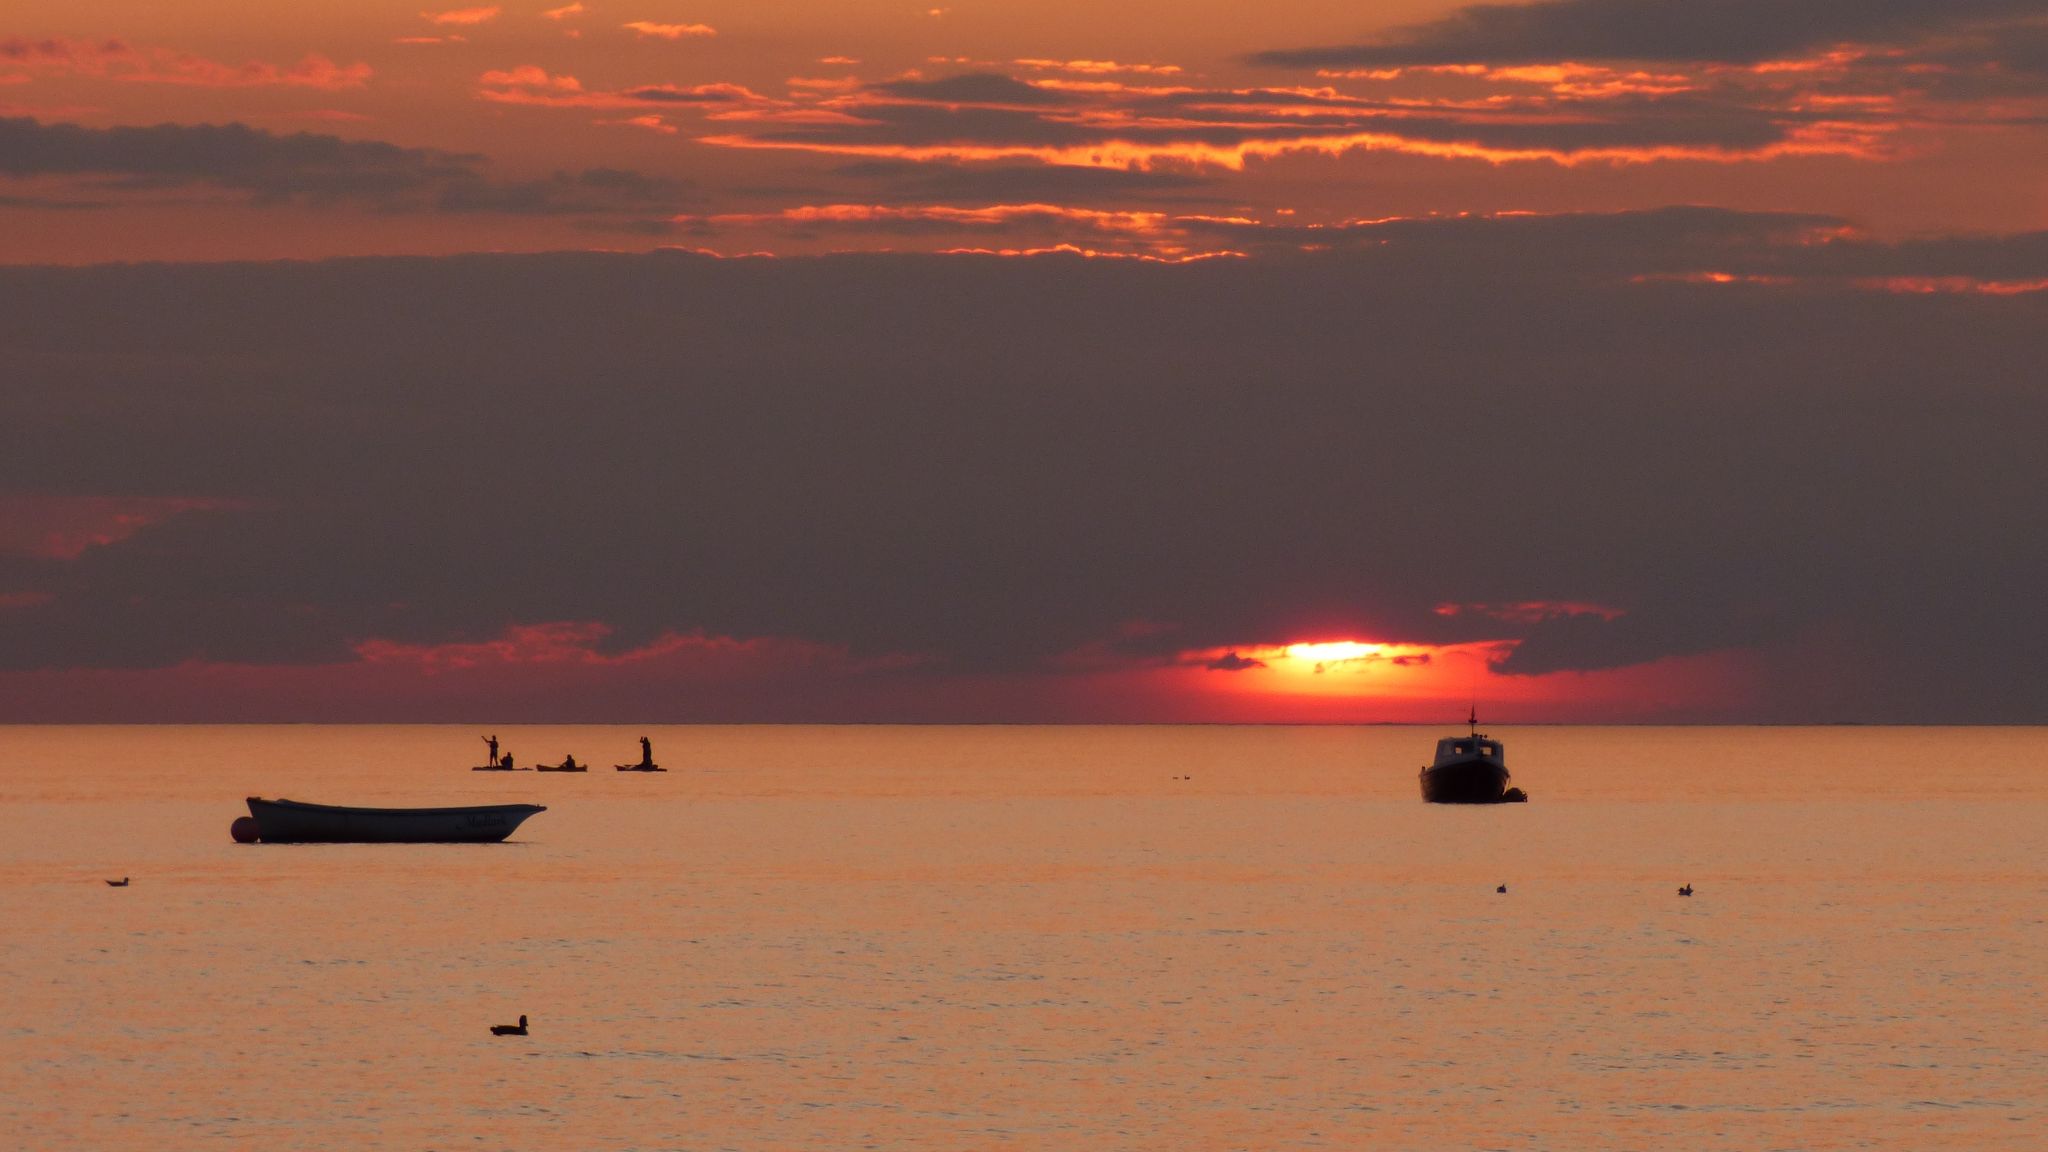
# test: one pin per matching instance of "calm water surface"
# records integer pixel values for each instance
(936, 938)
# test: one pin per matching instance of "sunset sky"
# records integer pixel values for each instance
(1592, 360)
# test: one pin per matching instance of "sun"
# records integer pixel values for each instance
(1331, 651)
(1362, 669)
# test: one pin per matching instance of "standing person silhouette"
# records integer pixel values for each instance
(646, 752)
(492, 742)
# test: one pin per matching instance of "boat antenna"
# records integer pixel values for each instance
(1473, 718)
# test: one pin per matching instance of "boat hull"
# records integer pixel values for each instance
(292, 822)
(1467, 782)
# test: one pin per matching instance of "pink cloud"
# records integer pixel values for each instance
(58, 527)
(648, 29)
(312, 72)
(543, 671)
(463, 16)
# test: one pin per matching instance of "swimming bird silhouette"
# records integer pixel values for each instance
(518, 1029)
(1502, 888)
(1687, 890)
(121, 883)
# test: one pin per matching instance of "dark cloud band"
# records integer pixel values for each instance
(1729, 31)
(998, 461)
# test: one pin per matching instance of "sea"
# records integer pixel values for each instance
(1031, 937)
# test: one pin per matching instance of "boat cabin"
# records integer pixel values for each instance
(1453, 749)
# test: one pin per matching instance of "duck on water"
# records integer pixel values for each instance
(1469, 769)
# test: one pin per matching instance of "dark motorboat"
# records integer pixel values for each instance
(1469, 769)
(291, 822)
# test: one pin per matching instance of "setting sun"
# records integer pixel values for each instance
(1334, 650)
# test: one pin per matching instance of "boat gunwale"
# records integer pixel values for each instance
(307, 806)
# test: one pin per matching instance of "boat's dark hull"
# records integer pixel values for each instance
(558, 768)
(291, 822)
(638, 768)
(1468, 782)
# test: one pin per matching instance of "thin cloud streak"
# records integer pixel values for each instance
(118, 60)
(308, 168)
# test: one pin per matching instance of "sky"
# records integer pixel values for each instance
(1586, 360)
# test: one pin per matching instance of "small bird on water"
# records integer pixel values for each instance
(1503, 888)
(121, 883)
(518, 1029)
(1687, 890)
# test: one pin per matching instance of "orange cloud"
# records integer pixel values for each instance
(1846, 140)
(1098, 234)
(462, 16)
(1096, 67)
(1952, 285)
(1590, 116)
(529, 76)
(1582, 81)
(533, 85)
(648, 29)
(312, 72)
(564, 12)
(653, 123)
(1140, 222)
(1092, 254)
